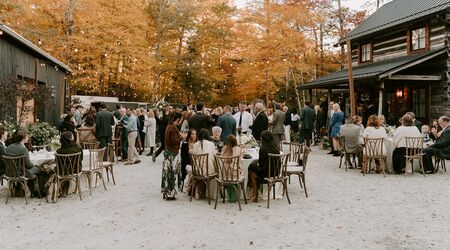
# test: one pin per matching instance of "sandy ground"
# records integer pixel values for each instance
(344, 211)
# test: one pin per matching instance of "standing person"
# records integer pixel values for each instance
(78, 114)
(330, 113)
(3, 138)
(261, 122)
(172, 139)
(103, 126)
(116, 113)
(336, 121)
(150, 131)
(142, 116)
(123, 120)
(440, 148)
(307, 118)
(318, 124)
(200, 120)
(295, 118)
(287, 123)
(243, 119)
(278, 124)
(162, 131)
(407, 129)
(227, 123)
(132, 128)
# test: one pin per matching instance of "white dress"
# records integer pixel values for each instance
(150, 132)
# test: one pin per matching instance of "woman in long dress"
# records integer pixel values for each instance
(150, 131)
(172, 139)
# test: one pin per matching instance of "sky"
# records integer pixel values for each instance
(352, 4)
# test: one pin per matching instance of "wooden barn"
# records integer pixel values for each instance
(21, 59)
(400, 60)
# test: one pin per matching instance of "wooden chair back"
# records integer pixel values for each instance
(374, 148)
(199, 164)
(227, 167)
(277, 165)
(295, 150)
(85, 134)
(15, 166)
(414, 146)
(90, 145)
(305, 155)
(96, 158)
(68, 164)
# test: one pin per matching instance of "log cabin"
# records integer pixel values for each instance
(21, 59)
(400, 61)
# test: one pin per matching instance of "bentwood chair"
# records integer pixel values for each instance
(300, 170)
(117, 140)
(374, 150)
(16, 175)
(439, 162)
(295, 150)
(95, 167)
(90, 145)
(277, 173)
(86, 135)
(68, 168)
(344, 153)
(200, 173)
(414, 151)
(109, 164)
(227, 168)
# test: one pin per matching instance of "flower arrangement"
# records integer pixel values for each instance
(10, 127)
(390, 130)
(246, 141)
(42, 133)
(54, 144)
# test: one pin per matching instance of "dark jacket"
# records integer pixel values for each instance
(200, 121)
(263, 161)
(260, 124)
(72, 149)
(287, 118)
(2, 163)
(442, 145)
(103, 123)
(418, 124)
(172, 139)
(228, 125)
(307, 117)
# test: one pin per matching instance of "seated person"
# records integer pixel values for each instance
(17, 148)
(426, 132)
(69, 146)
(186, 147)
(351, 131)
(375, 131)
(87, 133)
(440, 148)
(231, 148)
(260, 170)
(3, 137)
(204, 146)
(407, 129)
(215, 138)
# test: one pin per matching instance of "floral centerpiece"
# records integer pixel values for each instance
(54, 144)
(246, 141)
(390, 130)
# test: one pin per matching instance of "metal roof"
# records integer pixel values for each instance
(396, 13)
(375, 71)
(33, 47)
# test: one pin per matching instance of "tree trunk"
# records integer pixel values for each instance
(341, 32)
(69, 17)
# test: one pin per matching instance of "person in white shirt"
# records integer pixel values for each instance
(407, 129)
(375, 131)
(243, 119)
(204, 146)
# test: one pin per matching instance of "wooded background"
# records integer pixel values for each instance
(187, 50)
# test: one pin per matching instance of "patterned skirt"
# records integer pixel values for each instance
(170, 172)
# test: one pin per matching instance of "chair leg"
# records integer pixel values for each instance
(207, 191)
(285, 188)
(107, 174)
(345, 162)
(217, 194)
(239, 196)
(340, 162)
(304, 184)
(273, 191)
(268, 194)
(224, 194)
(89, 179)
(103, 180)
(9, 192)
(421, 166)
(38, 189)
(289, 179)
(56, 190)
(383, 166)
(192, 190)
(244, 191)
(78, 187)
(112, 175)
(25, 189)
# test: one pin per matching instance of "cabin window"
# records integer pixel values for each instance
(419, 102)
(418, 39)
(365, 54)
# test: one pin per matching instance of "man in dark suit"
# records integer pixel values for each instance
(307, 118)
(3, 137)
(261, 122)
(200, 120)
(227, 123)
(440, 148)
(103, 126)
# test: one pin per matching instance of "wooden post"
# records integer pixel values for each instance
(350, 79)
(380, 100)
(329, 95)
(311, 95)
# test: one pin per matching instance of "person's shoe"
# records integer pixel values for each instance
(351, 167)
(149, 154)
(128, 163)
(137, 161)
(330, 153)
(140, 152)
(336, 154)
(153, 157)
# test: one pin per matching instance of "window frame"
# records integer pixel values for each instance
(427, 39)
(360, 46)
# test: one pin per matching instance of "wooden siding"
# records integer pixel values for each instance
(18, 61)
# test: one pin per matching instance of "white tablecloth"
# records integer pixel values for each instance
(43, 156)
(389, 151)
